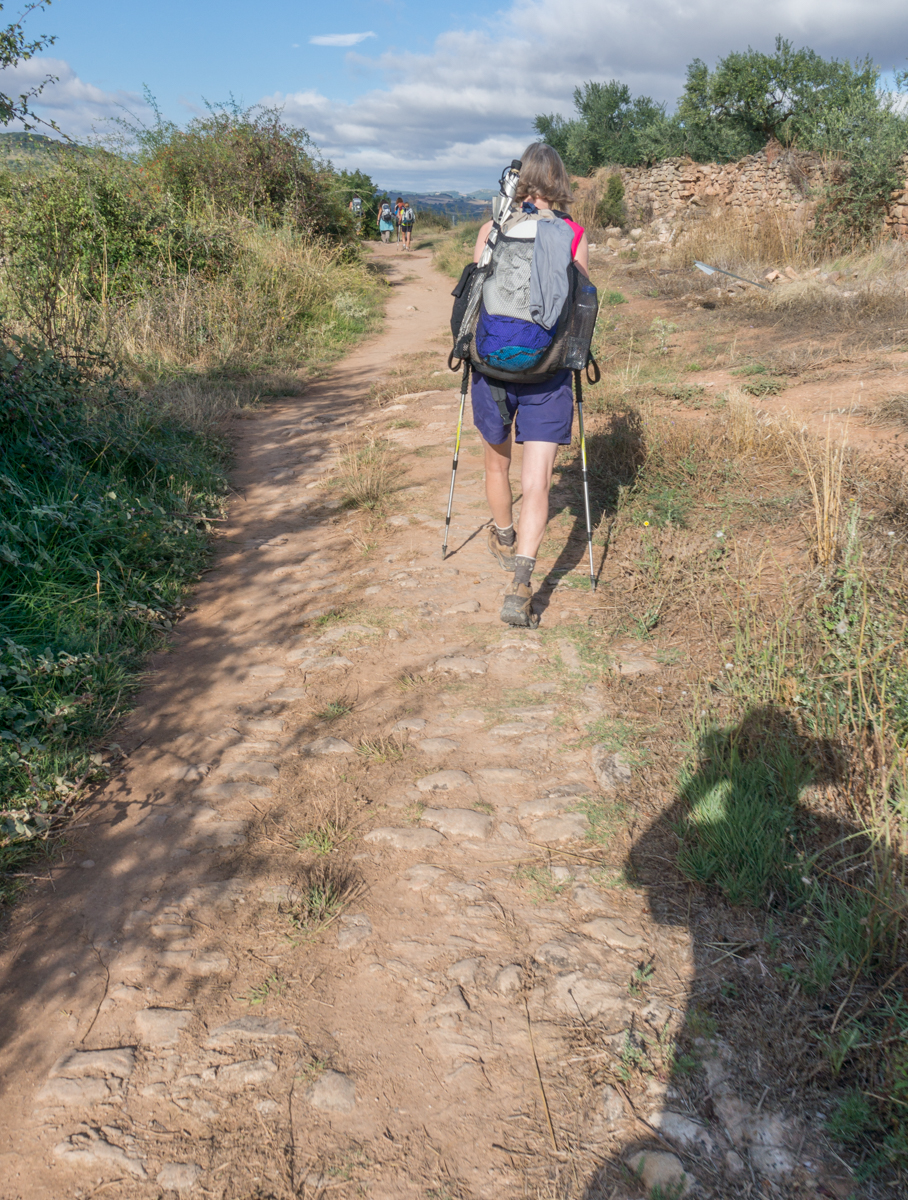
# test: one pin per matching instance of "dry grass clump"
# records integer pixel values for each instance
(891, 410)
(748, 433)
(724, 238)
(368, 473)
(285, 299)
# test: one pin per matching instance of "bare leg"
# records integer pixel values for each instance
(498, 485)
(536, 480)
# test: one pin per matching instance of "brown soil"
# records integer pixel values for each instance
(437, 1005)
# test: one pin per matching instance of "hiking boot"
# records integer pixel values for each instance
(498, 550)
(518, 606)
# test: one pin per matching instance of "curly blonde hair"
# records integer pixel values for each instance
(542, 174)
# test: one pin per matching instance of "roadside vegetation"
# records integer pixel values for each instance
(766, 569)
(146, 296)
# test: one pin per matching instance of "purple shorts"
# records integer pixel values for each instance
(544, 411)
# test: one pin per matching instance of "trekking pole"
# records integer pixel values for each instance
(578, 388)
(463, 400)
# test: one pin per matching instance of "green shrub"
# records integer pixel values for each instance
(104, 512)
(611, 210)
(250, 163)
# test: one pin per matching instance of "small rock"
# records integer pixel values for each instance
(588, 899)
(262, 725)
(422, 876)
(248, 1029)
(513, 729)
(509, 980)
(332, 1092)
(237, 1077)
(267, 671)
(353, 929)
(405, 839)
(414, 724)
(470, 716)
(287, 694)
(464, 971)
(92, 1151)
(161, 1026)
(71, 1093)
(443, 781)
(572, 993)
(659, 1169)
(459, 664)
(452, 1003)
(334, 661)
(77, 1064)
(179, 1177)
(342, 631)
(232, 791)
(611, 770)
(681, 1129)
(504, 776)
(437, 745)
(250, 770)
(458, 822)
(328, 745)
(558, 955)
(465, 606)
(611, 1104)
(572, 827)
(605, 929)
(212, 963)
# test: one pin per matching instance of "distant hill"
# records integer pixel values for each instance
(22, 150)
(474, 207)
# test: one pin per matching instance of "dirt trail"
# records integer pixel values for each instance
(167, 1025)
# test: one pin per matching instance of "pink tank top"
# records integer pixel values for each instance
(578, 234)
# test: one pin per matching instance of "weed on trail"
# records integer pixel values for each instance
(320, 895)
(368, 473)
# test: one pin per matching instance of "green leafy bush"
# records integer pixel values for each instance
(104, 512)
(249, 163)
(611, 210)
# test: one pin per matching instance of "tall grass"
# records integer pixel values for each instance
(456, 250)
(285, 301)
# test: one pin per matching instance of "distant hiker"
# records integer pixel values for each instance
(407, 217)
(398, 209)
(356, 207)
(385, 221)
(514, 329)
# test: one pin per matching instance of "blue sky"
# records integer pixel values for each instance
(433, 98)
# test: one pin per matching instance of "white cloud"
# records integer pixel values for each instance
(339, 39)
(79, 108)
(455, 115)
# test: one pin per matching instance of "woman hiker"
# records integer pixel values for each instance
(385, 221)
(542, 413)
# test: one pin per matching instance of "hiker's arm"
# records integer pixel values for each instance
(582, 257)
(481, 240)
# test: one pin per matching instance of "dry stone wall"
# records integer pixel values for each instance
(773, 181)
